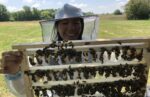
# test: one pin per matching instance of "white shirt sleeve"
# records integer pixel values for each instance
(15, 84)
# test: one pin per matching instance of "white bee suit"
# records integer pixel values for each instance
(16, 84)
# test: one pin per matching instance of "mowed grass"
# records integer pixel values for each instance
(18, 32)
(112, 26)
(13, 33)
(27, 32)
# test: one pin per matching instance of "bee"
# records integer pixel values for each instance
(101, 70)
(86, 72)
(31, 60)
(39, 53)
(80, 89)
(70, 90)
(133, 53)
(33, 76)
(53, 44)
(93, 53)
(40, 74)
(71, 44)
(85, 56)
(139, 55)
(101, 58)
(107, 71)
(119, 43)
(55, 75)
(125, 52)
(78, 56)
(44, 91)
(114, 70)
(39, 60)
(64, 74)
(117, 51)
(65, 43)
(93, 71)
(59, 45)
(37, 91)
(71, 72)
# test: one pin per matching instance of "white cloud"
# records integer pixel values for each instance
(111, 8)
(28, 1)
(118, 0)
(43, 1)
(84, 7)
(36, 5)
(121, 3)
(3, 1)
(13, 8)
(102, 7)
(60, 3)
(79, 5)
(72, 1)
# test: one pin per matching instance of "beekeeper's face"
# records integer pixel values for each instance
(70, 29)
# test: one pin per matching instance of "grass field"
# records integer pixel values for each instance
(12, 33)
(21, 32)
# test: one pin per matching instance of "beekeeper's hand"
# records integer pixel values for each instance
(11, 61)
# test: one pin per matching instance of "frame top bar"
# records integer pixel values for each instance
(85, 42)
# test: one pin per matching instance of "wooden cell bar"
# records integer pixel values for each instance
(85, 42)
(95, 47)
(60, 67)
(81, 81)
(84, 45)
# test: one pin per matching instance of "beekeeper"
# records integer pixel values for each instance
(69, 24)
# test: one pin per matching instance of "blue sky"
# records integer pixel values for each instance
(96, 6)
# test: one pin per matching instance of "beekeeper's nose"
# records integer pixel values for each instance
(71, 26)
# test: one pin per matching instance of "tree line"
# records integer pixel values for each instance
(28, 14)
(138, 9)
(134, 9)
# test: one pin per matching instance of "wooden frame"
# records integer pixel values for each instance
(28, 49)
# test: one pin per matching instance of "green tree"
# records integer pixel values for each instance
(137, 9)
(88, 13)
(35, 14)
(19, 15)
(47, 14)
(117, 12)
(4, 14)
(27, 13)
